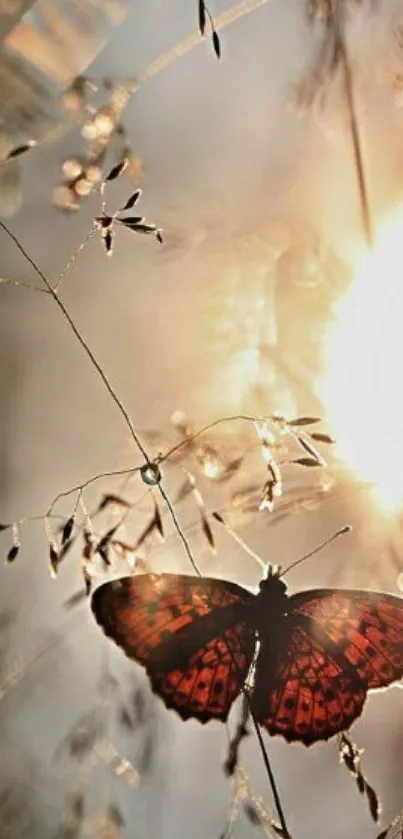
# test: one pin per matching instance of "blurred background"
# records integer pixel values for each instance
(263, 299)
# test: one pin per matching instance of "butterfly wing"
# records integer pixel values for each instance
(302, 689)
(188, 633)
(366, 626)
(333, 647)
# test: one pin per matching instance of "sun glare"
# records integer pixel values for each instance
(361, 389)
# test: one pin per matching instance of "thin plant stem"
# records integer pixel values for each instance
(179, 530)
(341, 46)
(80, 338)
(7, 281)
(271, 777)
(266, 760)
(66, 270)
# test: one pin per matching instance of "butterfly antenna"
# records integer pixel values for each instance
(241, 542)
(346, 529)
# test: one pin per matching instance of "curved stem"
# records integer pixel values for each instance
(271, 777)
(52, 291)
(354, 127)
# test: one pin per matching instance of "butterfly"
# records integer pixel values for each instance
(314, 655)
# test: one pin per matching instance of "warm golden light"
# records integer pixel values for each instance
(361, 389)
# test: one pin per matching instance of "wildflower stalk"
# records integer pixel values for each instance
(341, 47)
(272, 781)
(80, 338)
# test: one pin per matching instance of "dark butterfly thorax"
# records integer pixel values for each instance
(269, 606)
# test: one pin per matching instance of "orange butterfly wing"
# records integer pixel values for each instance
(336, 645)
(303, 691)
(366, 626)
(187, 632)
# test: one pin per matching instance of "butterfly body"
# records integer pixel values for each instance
(269, 606)
(315, 654)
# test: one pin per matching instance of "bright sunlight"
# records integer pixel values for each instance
(361, 389)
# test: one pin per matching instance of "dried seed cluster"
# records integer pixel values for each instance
(106, 223)
(351, 755)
